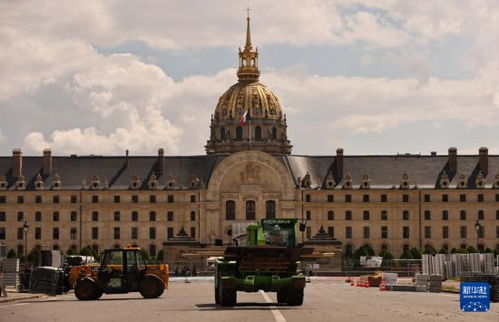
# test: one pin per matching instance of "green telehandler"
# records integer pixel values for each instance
(268, 261)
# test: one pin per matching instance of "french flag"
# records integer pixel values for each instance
(244, 119)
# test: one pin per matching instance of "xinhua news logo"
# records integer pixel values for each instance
(475, 297)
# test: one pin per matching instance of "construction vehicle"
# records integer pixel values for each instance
(269, 261)
(120, 271)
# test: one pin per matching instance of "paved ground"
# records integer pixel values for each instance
(324, 301)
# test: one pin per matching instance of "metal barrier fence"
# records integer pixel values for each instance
(456, 265)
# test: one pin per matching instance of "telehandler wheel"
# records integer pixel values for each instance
(295, 296)
(151, 287)
(228, 296)
(217, 295)
(282, 295)
(86, 290)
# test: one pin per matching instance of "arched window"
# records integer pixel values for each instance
(250, 210)
(239, 133)
(258, 133)
(230, 210)
(274, 133)
(252, 62)
(270, 209)
(222, 133)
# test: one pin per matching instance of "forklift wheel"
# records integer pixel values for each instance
(151, 287)
(86, 290)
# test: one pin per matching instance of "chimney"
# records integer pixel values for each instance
(126, 158)
(339, 163)
(452, 160)
(17, 163)
(483, 160)
(161, 161)
(47, 162)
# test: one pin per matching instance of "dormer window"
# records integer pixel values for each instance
(96, 184)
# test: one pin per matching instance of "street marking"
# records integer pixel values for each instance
(277, 314)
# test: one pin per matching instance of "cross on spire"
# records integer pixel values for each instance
(248, 10)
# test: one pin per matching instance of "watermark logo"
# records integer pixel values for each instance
(475, 297)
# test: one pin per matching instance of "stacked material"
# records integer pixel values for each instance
(390, 278)
(10, 267)
(372, 280)
(422, 282)
(51, 258)
(401, 287)
(435, 285)
(47, 280)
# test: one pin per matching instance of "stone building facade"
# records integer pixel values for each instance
(390, 202)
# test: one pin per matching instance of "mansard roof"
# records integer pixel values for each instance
(383, 171)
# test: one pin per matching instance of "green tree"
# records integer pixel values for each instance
(71, 251)
(443, 250)
(488, 250)
(11, 254)
(453, 250)
(160, 255)
(472, 249)
(462, 251)
(33, 255)
(406, 255)
(416, 253)
(428, 249)
(87, 251)
(145, 254)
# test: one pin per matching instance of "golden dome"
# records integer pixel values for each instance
(253, 97)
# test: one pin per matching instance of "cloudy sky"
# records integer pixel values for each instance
(373, 77)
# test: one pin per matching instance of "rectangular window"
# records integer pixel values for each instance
(405, 232)
(117, 199)
(20, 233)
(2, 233)
(38, 216)
(309, 232)
(74, 199)
(152, 216)
(348, 198)
(152, 250)
(74, 216)
(2, 216)
(330, 231)
(73, 233)
(497, 214)
(445, 215)
(497, 231)
(20, 216)
(481, 232)
(169, 216)
(427, 198)
(462, 214)
(366, 232)
(365, 198)
(2, 199)
(405, 198)
(445, 232)
(330, 215)
(95, 232)
(348, 215)
(348, 232)
(38, 233)
(117, 216)
(481, 215)
(193, 232)
(135, 199)
(95, 199)
(384, 215)
(169, 232)
(135, 233)
(497, 197)
(427, 215)
(405, 215)
(330, 198)
(427, 232)
(463, 232)
(384, 198)
(152, 199)
(38, 199)
(480, 197)
(55, 216)
(55, 233)
(55, 199)
(117, 233)
(445, 197)
(308, 215)
(366, 215)
(384, 232)
(308, 198)
(135, 216)
(95, 216)
(193, 198)
(169, 199)
(152, 232)
(462, 197)
(20, 199)
(193, 216)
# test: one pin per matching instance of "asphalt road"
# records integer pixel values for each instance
(324, 301)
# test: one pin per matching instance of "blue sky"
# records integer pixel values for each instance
(99, 77)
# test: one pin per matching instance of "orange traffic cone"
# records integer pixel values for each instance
(367, 284)
(382, 286)
(358, 282)
(351, 282)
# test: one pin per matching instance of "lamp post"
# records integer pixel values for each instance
(25, 229)
(477, 228)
